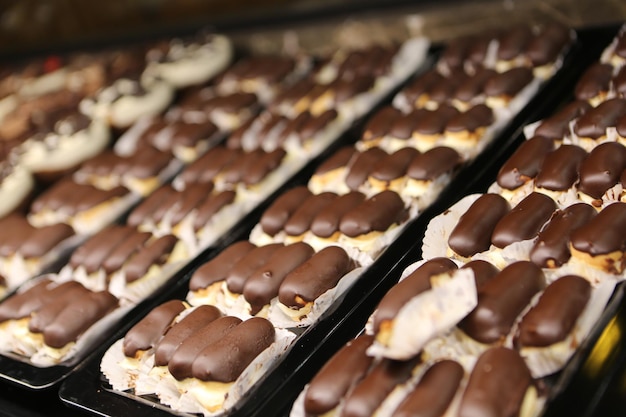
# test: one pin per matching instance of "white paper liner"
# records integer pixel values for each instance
(500, 258)
(428, 315)
(278, 312)
(439, 228)
(548, 360)
(93, 220)
(167, 391)
(15, 188)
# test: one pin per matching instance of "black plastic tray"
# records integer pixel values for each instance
(274, 394)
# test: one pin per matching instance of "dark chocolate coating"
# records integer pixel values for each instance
(312, 278)
(501, 300)
(190, 198)
(473, 86)
(433, 163)
(22, 304)
(52, 307)
(182, 360)
(553, 318)
(525, 162)
(225, 360)
(275, 217)
(339, 159)
(395, 165)
(326, 222)
(509, 83)
(603, 234)
(94, 251)
(264, 165)
(315, 124)
(375, 214)
(15, 230)
(205, 168)
(43, 239)
(523, 221)
(594, 123)
(551, 249)
(263, 284)
(181, 330)
(433, 122)
(414, 284)
(150, 205)
(211, 206)
(368, 394)
(379, 124)
(217, 268)
(154, 253)
(472, 233)
(546, 46)
(302, 218)
(124, 250)
(421, 86)
(557, 126)
(246, 265)
(594, 81)
(433, 394)
(513, 42)
(497, 385)
(483, 271)
(337, 376)
(79, 314)
(559, 170)
(145, 334)
(361, 165)
(601, 169)
(234, 173)
(476, 117)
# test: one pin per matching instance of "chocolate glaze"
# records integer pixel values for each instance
(557, 126)
(497, 385)
(314, 277)
(478, 116)
(375, 214)
(433, 163)
(594, 82)
(524, 221)
(217, 268)
(432, 122)
(395, 165)
(346, 88)
(525, 162)
(23, 304)
(191, 197)
(421, 86)
(234, 173)
(509, 83)
(51, 308)
(154, 253)
(603, 234)
(546, 46)
(16, 230)
(326, 221)
(344, 369)
(148, 163)
(594, 123)
(414, 284)
(338, 160)
(432, 396)
(225, 360)
(189, 134)
(302, 218)
(246, 265)
(455, 52)
(472, 233)
(79, 314)
(601, 169)
(43, 239)
(275, 217)
(513, 42)
(483, 271)
(205, 168)
(473, 86)
(360, 166)
(210, 206)
(150, 205)
(368, 394)
(620, 125)
(553, 318)
(264, 283)
(307, 130)
(182, 360)
(124, 250)
(402, 126)
(559, 170)
(267, 162)
(443, 90)
(501, 300)
(181, 330)
(146, 333)
(96, 249)
(551, 249)
(379, 124)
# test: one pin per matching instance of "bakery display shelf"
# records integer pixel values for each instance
(87, 390)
